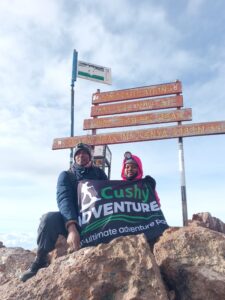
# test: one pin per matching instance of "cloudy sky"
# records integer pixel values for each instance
(144, 42)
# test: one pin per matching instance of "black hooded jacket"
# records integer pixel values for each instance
(67, 189)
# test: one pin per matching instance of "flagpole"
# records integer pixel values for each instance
(74, 78)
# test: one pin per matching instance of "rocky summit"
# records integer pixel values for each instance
(186, 263)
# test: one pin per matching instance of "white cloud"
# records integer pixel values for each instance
(194, 6)
(36, 11)
(26, 241)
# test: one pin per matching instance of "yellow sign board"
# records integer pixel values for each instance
(139, 119)
(135, 106)
(159, 133)
(136, 93)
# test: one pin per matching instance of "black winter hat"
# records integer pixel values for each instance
(83, 147)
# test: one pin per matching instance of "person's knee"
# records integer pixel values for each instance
(47, 220)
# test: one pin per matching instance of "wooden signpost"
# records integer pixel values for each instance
(135, 106)
(136, 93)
(160, 97)
(159, 133)
(139, 119)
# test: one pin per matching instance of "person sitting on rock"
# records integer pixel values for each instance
(64, 222)
(132, 170)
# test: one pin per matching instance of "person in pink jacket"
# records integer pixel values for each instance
(132, 170)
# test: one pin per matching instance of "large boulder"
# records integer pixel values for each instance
(192, 262)
(206, 220)
(124, 269)
(13, 261)
(188, 264)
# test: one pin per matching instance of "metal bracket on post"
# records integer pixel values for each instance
(102, 157)
(101, 154)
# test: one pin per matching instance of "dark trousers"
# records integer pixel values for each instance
(51, 226)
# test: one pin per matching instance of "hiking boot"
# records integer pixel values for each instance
(32, 271)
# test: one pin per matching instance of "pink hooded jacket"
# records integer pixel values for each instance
(139, 174)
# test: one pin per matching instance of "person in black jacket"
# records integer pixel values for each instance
(64, 222)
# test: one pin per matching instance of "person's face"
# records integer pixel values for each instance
(130, 170)
(82, 158)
